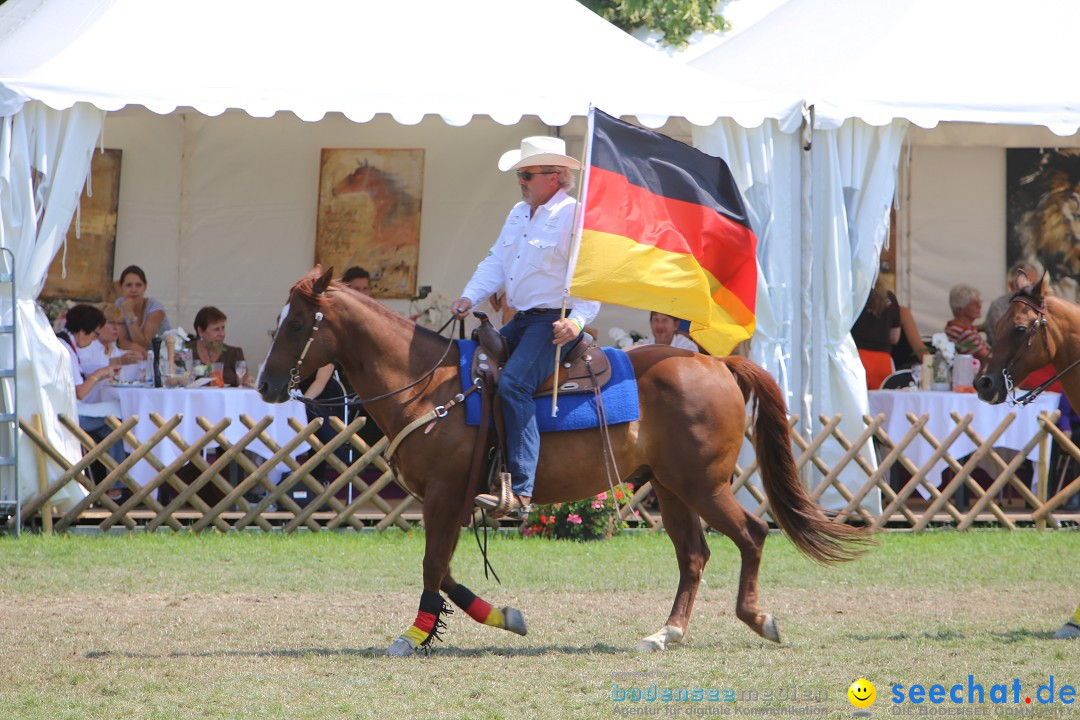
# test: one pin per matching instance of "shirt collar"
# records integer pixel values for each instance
(559, 196)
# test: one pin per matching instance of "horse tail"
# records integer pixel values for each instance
(802, 519)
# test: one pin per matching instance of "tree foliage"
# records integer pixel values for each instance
(677, 19)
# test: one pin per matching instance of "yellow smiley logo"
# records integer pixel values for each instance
(862, 693)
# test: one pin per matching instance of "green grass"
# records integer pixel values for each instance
(257, 626)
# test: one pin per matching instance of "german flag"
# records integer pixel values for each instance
(664, 228)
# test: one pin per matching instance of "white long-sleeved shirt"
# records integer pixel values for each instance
(677, 341)
(529, 259)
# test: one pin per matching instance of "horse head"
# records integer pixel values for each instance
(361, 179)
(1023, 343)
(298, 348)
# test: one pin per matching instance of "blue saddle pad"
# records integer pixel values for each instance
(576, 412)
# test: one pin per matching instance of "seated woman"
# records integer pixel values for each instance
(966, 305)
(104, 350)
(83, 324)
(665, 332)
(875, 332)
(910, 349)
(208, 346)
(143, 317)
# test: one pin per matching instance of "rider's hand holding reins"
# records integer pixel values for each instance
(461, 307)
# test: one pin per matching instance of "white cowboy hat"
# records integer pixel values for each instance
(538, 150)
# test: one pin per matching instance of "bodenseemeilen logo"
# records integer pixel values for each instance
(977, 693)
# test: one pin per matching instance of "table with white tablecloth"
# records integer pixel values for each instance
(212, 403)
(939, 406)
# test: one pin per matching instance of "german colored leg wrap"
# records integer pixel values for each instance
(479, 610)
(1075, 617)
(431, 604)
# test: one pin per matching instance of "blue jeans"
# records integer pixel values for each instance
(96, 428)
(531, 362)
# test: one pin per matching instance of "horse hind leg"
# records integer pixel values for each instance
(505, 618)
(692, 552)
(724, 513)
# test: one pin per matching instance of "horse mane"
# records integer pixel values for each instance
(305, 288)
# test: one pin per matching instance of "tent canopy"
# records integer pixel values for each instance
(926, 61)
(501, 58)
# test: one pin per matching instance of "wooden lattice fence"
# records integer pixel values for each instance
(250, 497)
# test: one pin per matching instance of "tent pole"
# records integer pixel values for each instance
(807, 355)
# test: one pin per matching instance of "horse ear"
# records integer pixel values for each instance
(320, 285)
(1043, 286)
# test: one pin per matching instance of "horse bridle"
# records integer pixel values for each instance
(352, 399)
(1033, 329)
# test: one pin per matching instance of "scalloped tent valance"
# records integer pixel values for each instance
(927, 61)
(502, 58)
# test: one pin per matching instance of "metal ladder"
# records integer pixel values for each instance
(10, 506)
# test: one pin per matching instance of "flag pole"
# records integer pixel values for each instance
(555, 377)
(571, 261)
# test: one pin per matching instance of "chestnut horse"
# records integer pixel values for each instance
(692, 417)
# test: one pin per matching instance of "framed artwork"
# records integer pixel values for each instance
(89, 258)
(1042, 209)
(369, 215)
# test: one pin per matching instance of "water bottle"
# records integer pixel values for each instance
(156, 353)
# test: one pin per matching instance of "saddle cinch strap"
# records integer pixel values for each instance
(575, 376)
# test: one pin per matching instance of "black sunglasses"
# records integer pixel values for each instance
(527, 175)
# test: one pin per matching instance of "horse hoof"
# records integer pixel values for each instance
(1068, 631)
(770, 630)
(400, 648)
(514, 621)
(659, 641)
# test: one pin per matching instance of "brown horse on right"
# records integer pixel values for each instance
(692, 418)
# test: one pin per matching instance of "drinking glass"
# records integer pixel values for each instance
(146, 369)
(241, 371)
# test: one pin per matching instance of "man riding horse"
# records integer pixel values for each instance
(529, 259)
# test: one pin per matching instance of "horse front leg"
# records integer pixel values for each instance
(483, 612)
(442, 533)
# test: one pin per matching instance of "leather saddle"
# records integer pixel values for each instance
(492, 352)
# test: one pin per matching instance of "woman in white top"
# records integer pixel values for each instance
(105, 350)
(144, 317)
(83, 325)
(665, 332)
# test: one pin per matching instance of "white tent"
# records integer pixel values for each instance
(215, 107)
(982, 73)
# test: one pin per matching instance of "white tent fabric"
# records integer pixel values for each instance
(811, 292)
(44, 161)
(927, 61)
(408, 59)
(854, 181)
